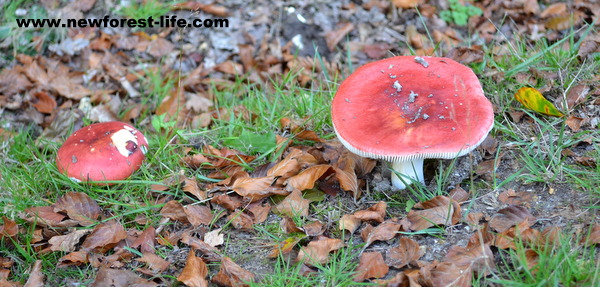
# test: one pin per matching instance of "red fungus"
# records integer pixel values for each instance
(103, 151)
(405, 109)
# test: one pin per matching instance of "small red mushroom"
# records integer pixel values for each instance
(102, 151)
(405, 109)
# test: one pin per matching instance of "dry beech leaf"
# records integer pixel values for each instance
(44, 216)
(146, 240)
(287, 167)
(317, 251)
(231, 274)
(79, 206)
(119, 278)
(195, 271)
(407, 4)
(505, 239)
(576, 95)
(531, 257)
(44, 103)
(306, 179)
(210, 253)
(478, 257)
(593, 236)
(67, 243)
(155, 263)
(174, 210)
(214, 238)
(382, 232)
(241, 220)
(374, 213)
(401, 280)
(191, 185)
(256, 188)
(446, 274)
(515, 198)
(293, 205)
(286, 246)
(349, 222)
(554, 10)
(313, 228)
(406, 252)
(259, 211)
(228, 202)
(36, 277)
(288, 225)
(459, 194)
(198, 214)
(370, 265)
(440, 210)
(347, 179)
(574, 123)
(9, 229)
(335, 36)
(74, 258)
(509, 217)
(105, 236)
(208, 8)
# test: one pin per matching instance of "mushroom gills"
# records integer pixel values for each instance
(409, 170)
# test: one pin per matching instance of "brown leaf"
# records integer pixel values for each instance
(531, 258)
(287, 167)
(445, 274)
(79, 206)
(174, 210)
(198, 214)
(44, 215)
(74, 258)
(195, 271)
(509, 217)
(317, 251)
(191, 185)
(105, 235)
(593, 236)
(347, 179)
(256, 188)
(9, 229)
(69, 87)
(43, 102)
(313, 229)
(407, 4)
(406, 252)
(228, 202)
(370, 265)
(335, 36)
(259, 211)
(12, 82)
(576, 95)
(382, 232)
(293, 205)
(36, 277)
(554, 10)
(563, 21)
(465, 55)
(440, 210)
(478, 258)
(67, 242)
(349, 222)
(515, 198)
(146, 241)
(374, 213)
(159, 47)
(574, 123)
(231, 274)
(459, 194)
(208, 8)
(241, 220)
(211, 253)
(306, 179)
(155, 263)
(119, 278)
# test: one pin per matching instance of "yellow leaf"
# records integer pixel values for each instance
(534, 100)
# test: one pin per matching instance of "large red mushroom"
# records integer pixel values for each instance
(102, 152)
(408, 108)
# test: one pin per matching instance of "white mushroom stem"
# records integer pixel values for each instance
(410, 171)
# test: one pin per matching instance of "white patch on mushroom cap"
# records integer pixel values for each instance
(120, 139)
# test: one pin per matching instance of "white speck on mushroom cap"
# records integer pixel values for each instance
(120, 140)
(397, 86)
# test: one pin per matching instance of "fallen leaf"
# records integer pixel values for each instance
(382, 232)
(174, 210)
(9, 228)
(214, 9)
(374, 213)
(210, 253)
(534, 100)
(459, 194)
(231, 274)
(313, 229)
(256, 188)
(576, 95)
(466, 55)
(574, 123)
(195, 271)
(407, 4)
(370, 265)
(146, 241)
(445, 274)
(287, 167)
(508, 217)
(67, 242)
(515, 198)
(306, 179)
(79, 206)
(198, 214)
(554, 10)
(214, 238)
(440, 210)
(155, 262)
(43, 102)
(349, 222)
(241, 220)
(317, 251)
(119, 278)
(293, 205)
(286, 246)
(593, 236)
(332, 38)
(105, 235)
(228, 202)
(478, 258)
(36, 277)
(402, 255)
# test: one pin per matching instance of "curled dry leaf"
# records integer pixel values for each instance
(505, 239)
(306, 179)
(440, 210)
(214, 238)
(210, 253)
(406, 252)
(445, 274)
(174, 210)
(36, 277)
(256, 188)
(231, 274)
(515, 198)
(478, 258)
(335, 36)
(67, 243)
(105, 236)
(349, 222)
(195, 271)
(293, 205)
(45, 216)
(78, 206)
(287, 167)
(155, 263)
(374, 213)
(9, 228)
(146, 240)
(370, 265)
(75, 258)
(44, 103)
(509, 217)
(198, 214)
(241, 220)
(313, 229)
(286, 246)
(459, 194)
(119, 278)
(228, 202)
(317, 251)
(593, 236)
(382, 232)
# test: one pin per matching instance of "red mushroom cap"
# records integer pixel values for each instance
(103, 151)
(405, 108)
